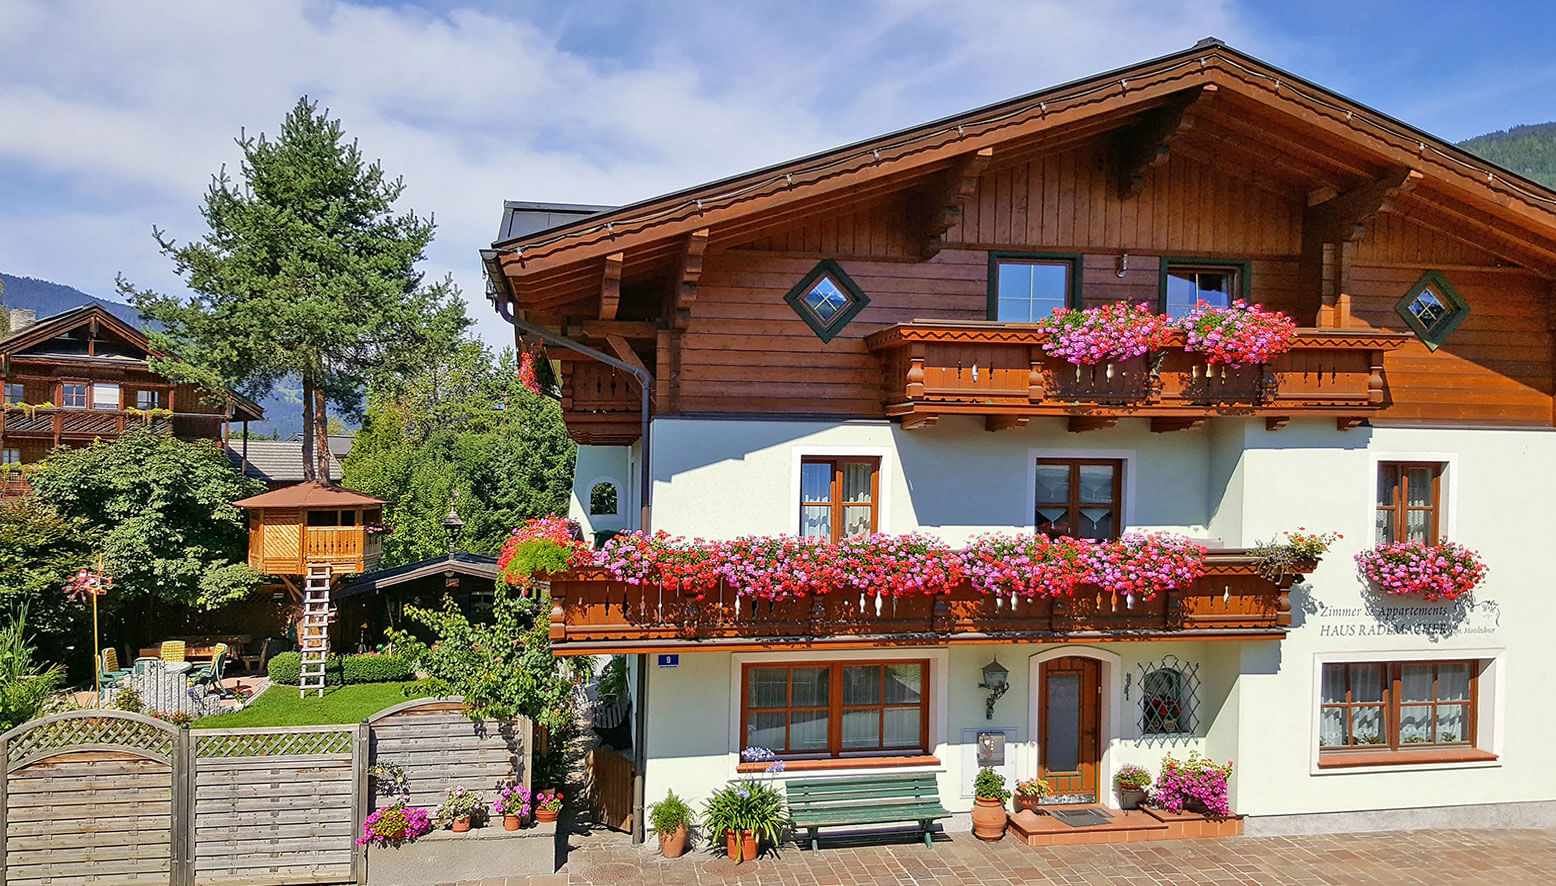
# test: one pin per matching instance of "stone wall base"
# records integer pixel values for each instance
(481, 853)
(1510, 816)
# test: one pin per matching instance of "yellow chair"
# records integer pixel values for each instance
(172, 651)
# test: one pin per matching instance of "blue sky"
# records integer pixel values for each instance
(114, 115)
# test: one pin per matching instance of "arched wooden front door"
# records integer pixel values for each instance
(1069, 702)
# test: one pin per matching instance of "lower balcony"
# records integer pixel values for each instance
(55, 423)
(594, 613)
(1000, 371)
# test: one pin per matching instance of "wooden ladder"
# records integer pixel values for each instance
(313, 635)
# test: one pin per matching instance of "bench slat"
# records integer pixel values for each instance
(865, 800)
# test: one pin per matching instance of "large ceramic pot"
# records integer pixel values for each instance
(741, 847)
(673, 844)
(989, 819)
(1130, 798)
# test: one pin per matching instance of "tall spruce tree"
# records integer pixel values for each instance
(306, 270)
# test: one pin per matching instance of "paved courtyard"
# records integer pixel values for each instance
(1405, 857)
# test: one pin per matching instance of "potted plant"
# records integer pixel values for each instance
(1131, 781)
(988, 814)
(548, 805)
(460, 805)
(1197, 784)
(672, 821)
(513, 804)
(748, 813)
(394, 825)
(1030, 792)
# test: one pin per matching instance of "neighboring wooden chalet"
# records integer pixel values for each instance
(83, 375)
(845, 344)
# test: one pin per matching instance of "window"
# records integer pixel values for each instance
(105, 396)
(837, 709)
(1081, 498)
(1432, 309)
(602, 499)
(332, 518)
(10, 456)
(1390, 706)
(148, 400)
(15, 392)
(1026, 287)
(826, 299)
(839, 497)
(72, 396)
(1187, 283)
(1409, 494)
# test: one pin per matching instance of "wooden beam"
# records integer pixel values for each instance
(1005, 422)
(628, 329)
(1276, 422)
(690, 273)
(955, 187)
(625, 352)
(915, 420)
(1344, 217)
(610, 286)
(1163, 424)
(1148, 143)
(1081, 423)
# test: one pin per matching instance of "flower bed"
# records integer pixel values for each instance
(1236, 336)
(1443, 571)
(1111, 332)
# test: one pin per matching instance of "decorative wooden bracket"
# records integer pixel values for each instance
(1343, 218)
(947, 200)
(1164, 424)
(1081, 423)
(1276, 422)
(625, 352)
(1148, 144)
(610, 286)
(1349, 422)
(690, 274)
(1005, 422)
(915, 420)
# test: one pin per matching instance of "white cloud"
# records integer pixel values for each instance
(113, 115)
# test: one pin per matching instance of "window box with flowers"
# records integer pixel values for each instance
(1442, 571)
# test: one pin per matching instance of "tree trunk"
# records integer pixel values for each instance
(310, 471)
(321, 426)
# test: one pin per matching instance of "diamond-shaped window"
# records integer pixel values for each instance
(1432, 309)
(826, 299)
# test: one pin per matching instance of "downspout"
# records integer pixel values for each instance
(645, 496)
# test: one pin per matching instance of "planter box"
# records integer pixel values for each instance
(480, 853)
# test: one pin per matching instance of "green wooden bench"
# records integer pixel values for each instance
(865, 800)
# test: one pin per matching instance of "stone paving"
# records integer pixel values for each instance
(1402, 857)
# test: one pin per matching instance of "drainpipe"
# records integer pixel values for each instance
(645, 495)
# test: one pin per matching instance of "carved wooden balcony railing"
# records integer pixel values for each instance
(1000, 371)
(592, 612)
(54, 422)
(601, 404)
(288, 549)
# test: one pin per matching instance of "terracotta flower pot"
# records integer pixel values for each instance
(461, 824)
(742, 848)
(511, 823)
(989, 819)
(546, 814)
(1026, 801)
(673, 844)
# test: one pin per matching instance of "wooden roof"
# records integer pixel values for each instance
(313, 494)
(1209, 100)
(462, 564)
(101, 320)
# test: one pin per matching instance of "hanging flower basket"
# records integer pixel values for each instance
(1443, 571)
(1236, 336)
(1106, 334)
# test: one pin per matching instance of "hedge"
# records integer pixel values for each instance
(286, 668)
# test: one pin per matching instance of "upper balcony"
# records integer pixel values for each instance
(1000, 371)
(55, 422)
(594, 613)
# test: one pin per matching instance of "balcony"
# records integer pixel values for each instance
(57, 423)
(999, 371)
(289, 549)
(593, 613)
(601, 405)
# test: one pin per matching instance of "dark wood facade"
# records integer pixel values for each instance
(1333, 211)
(83, 375)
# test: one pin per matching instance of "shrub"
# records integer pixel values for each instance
(286, 669)
(669, 814)
(990, 785)
(24, 684)
(745, 805)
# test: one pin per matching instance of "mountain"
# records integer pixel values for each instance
(283, 408)
(1529, 150)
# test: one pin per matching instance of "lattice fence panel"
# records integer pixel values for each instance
(91, 730)
(272, 744)
(1167, 710)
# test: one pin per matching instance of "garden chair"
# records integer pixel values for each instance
(108, 670)
(172, 651)
(210, 676)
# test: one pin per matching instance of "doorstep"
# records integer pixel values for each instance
(1124, 826)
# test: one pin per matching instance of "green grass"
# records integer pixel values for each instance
(280, 706)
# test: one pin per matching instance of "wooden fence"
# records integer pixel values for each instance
(98, 797)
(610, 788)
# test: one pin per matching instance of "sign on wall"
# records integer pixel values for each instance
(993, 747)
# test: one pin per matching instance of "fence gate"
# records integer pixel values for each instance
(92, 797)
(610, 788)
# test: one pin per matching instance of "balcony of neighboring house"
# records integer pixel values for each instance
(61, 423)
(592, 612)
(1000, 371)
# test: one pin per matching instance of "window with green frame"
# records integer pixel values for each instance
(1025, 287)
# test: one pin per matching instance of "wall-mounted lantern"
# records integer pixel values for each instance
(997, 680)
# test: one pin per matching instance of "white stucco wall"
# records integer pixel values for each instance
(1233, 480)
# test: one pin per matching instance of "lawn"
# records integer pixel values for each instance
(280, 706)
